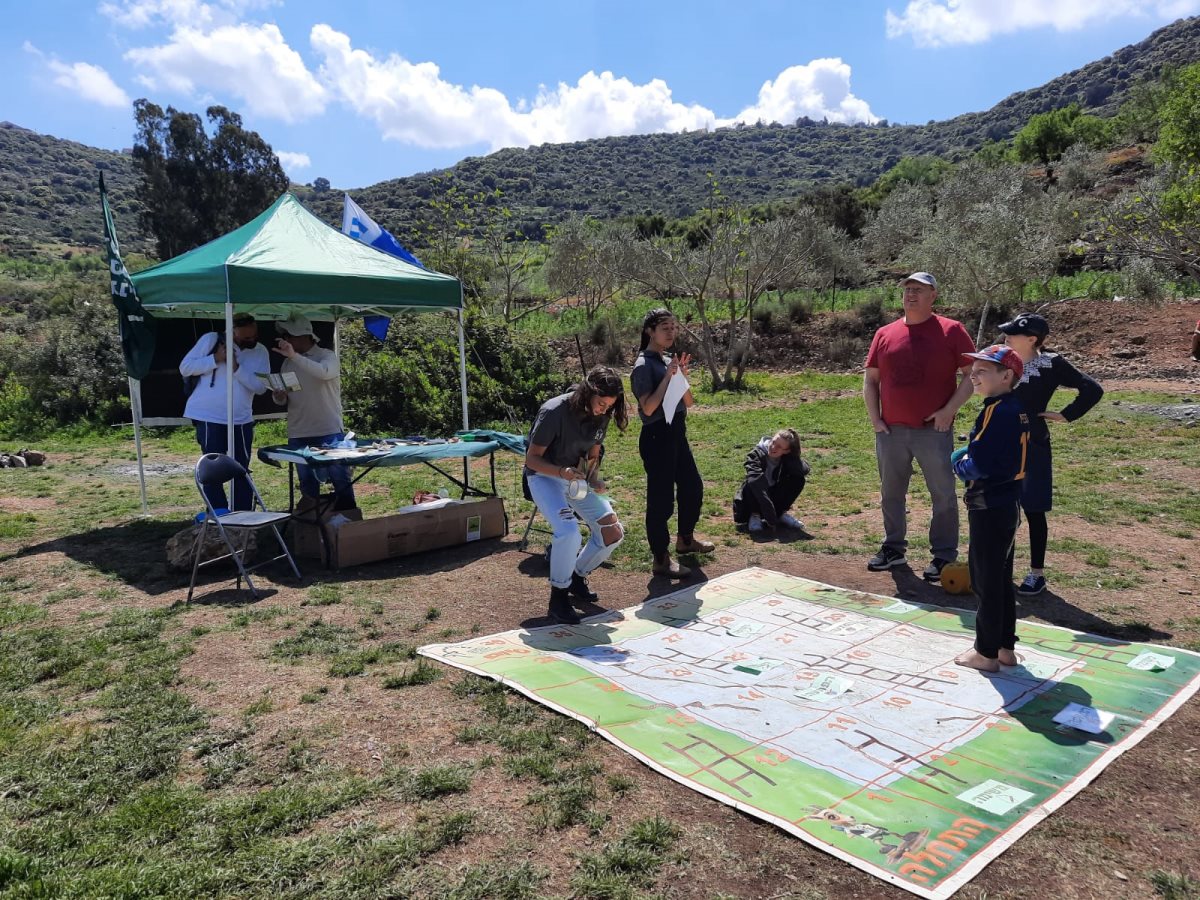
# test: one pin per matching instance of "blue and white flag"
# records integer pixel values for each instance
(362, 227)
(358, 225)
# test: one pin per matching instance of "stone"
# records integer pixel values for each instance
(180, 546)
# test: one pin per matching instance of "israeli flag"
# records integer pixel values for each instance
(358, 225)
(362, 227)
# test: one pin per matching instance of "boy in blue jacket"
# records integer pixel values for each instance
(993, 466)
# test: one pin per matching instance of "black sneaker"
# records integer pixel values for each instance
(581, 591)
(1032, 585)
(560, 607)
(886, 558)
(933, 571)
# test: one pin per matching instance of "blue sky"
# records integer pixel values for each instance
(358, 93)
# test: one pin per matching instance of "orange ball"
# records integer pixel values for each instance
(956, 578)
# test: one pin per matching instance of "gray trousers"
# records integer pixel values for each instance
(931, 449)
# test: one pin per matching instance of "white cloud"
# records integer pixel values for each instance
(193, 13)
(293, 162)
(820, 89)
(412, 103)
(936, 23)
(250, 62)
(86, 81)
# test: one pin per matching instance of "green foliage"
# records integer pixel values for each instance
(411, 384)
(1179, 135)
(194, 187)
(66, 370)
(922, 170)
(1048, 135)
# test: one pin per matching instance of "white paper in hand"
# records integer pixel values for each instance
(676, 388)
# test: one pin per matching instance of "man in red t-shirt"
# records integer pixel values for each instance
(915, 383)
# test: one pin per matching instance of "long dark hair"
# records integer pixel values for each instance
(793, 440)
(653, 319)
(601, 381)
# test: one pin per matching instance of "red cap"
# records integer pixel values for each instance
(1002, 355)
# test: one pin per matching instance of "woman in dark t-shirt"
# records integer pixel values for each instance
(666, 455)
(1044, 373)
(561, 468)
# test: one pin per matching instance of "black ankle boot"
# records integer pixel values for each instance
(579, 588)
(560, 606)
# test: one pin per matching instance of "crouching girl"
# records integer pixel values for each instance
(775, 476)
(562, 466)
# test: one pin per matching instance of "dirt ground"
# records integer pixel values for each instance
(1140, 816)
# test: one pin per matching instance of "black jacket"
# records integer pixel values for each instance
(755, 490)
(1044, 374)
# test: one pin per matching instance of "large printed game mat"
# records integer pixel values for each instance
(840, 716)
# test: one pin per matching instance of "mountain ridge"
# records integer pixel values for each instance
(48, 185)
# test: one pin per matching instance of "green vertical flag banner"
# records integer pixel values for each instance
(138, 331)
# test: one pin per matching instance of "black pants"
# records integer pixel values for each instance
(780, 496)
(670, 471)
(1039, 532)
(993, 532)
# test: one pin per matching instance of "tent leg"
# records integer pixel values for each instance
(462, 378)
(135, 402)
(228, 371)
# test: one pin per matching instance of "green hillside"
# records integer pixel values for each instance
(48, 193)
(47, 186)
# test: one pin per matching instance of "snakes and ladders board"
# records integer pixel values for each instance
(841, 717)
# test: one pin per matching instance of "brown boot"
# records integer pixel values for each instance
(668, 568)
(693, 545)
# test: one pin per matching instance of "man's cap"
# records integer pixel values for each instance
(1027, 323)
(923, 278)
(242, 318)
(1002, 355)
(296, 325)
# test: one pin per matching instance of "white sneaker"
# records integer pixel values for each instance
(787, 520)
(756, 525)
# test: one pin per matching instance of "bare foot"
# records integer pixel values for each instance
(973, 659)
(1009, 657)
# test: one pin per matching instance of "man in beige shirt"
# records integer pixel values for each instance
(315, 410)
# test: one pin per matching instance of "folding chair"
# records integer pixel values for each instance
(217, 468)
(524, 542)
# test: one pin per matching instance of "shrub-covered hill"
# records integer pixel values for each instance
(666, 173)
(49, 193)
(47, 186)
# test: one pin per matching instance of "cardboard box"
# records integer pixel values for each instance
(416, 531)
(306, 538)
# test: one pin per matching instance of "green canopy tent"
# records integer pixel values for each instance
(287, 260)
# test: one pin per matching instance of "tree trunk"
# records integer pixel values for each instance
(708, 342)
(987, 307)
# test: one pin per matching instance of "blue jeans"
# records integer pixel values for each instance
(550, 495)
(339, 475)
(213, 437)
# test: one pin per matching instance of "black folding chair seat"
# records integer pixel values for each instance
(218, 468)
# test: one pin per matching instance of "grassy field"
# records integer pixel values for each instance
(139, 757)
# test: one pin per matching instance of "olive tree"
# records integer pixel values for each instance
(581, 262)
(986, 231)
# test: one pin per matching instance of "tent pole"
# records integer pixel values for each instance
(135, 403)
(228, 369)
(462, 380)
(462, 371)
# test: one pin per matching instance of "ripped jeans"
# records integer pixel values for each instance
(550, 495)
